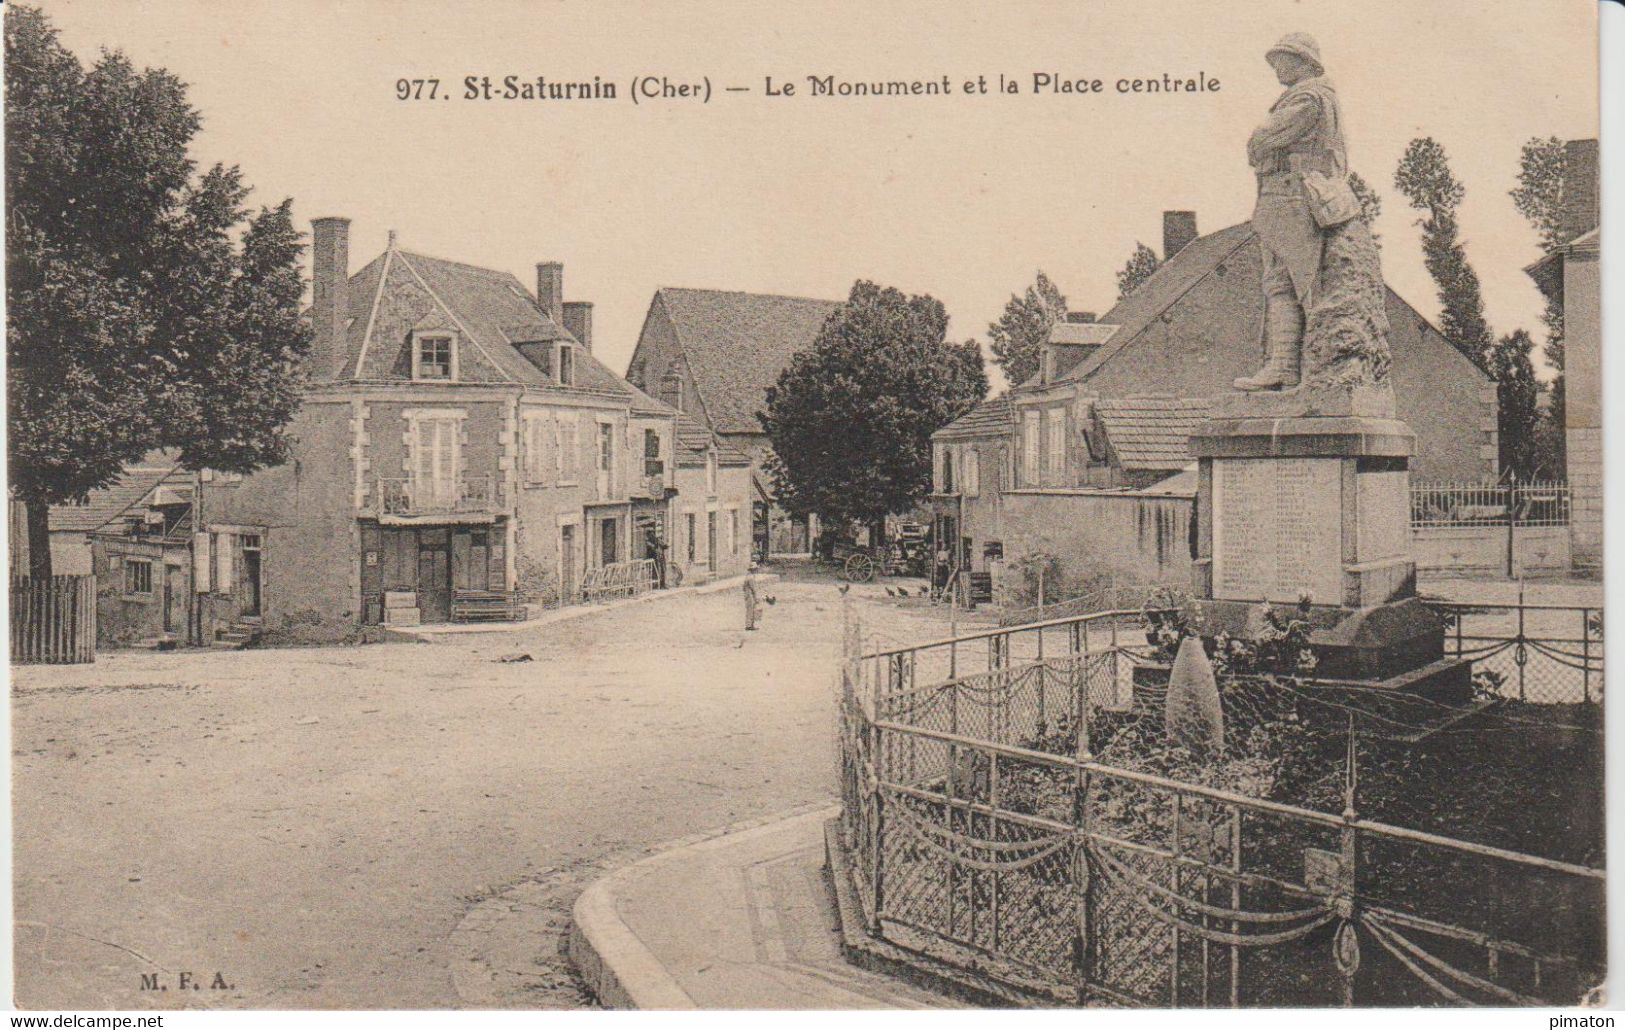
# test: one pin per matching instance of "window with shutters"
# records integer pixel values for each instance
(1055, 445)
(1032, 448)
(435, 460)
(540, 464)
(970, 476)
(567, 434)
(652, 465)
(224, 549)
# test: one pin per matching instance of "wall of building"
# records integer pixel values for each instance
(124, 617)
(657, 350)
(733, 494)
(305, 513)
(1582, 357)
(1211, 334)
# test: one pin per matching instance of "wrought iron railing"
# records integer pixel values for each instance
(983, 828)
(471, 494)
(1458, 505)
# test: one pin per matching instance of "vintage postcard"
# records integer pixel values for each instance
(835, 505)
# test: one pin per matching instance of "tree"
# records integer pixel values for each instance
(1137, 270)
(1018, 337)
(1370, 204)
(135, 321)
(1425, 179)
(851, 418)
(1542, 166)
(1517, 394)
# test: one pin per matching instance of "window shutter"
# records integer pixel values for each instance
(224, 545)
(200, 562)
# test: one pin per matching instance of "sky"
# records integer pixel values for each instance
(961, 196)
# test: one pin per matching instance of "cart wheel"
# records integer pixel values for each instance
(860, 568)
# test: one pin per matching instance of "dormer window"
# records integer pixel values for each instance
(567, 365)
(434, 356)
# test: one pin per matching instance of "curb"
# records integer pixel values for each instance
(616, 965)
(431, 633)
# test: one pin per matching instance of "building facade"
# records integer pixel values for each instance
(460, 452)
(712, 355)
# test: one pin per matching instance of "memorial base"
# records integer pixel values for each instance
(1306, 498)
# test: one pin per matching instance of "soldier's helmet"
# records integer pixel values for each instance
(1299, 44)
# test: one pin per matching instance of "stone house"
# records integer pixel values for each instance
(141, 554)
(1571, 273)
(459, 450)
(711, 536)
(1084, 451)
(712, 354)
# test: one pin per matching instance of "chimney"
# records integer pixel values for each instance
(330, 302)
(1178, 230)
(1578, 202)
(1080, 317)
(578, 322)
(550, 289)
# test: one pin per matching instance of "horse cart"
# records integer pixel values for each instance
(859, 564)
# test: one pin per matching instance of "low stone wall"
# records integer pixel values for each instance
(1482, 550)
(1101, 538)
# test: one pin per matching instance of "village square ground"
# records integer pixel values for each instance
(407, 825)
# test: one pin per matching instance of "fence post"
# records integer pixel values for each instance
(1345, 941)
(876, 829)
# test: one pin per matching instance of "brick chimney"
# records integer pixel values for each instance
(1578, 203)
(330, 288)
(578, 322)
(1178, 230)
(550, 289)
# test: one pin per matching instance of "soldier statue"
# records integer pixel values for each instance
(1324, 316)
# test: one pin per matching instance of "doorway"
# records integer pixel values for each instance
(609, 545)
(251, 574)
(174, 591)
(567, 564)
(711, 541)
(434, 575)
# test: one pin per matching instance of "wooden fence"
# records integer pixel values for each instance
(53, 622)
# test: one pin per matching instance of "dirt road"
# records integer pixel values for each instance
(366, 827)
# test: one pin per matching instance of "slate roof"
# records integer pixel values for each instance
(995, 416)
(736, 344)
(1151, 433)
(107, 504)
(400, 291)
(1167, 284)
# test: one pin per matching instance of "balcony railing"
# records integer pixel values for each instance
(468, 494)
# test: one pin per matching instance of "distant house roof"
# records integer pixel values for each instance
(1548, 271)
(400, 291)
(1151, 433)
(130, 489)
(736, 344)
(1207, 255)
(693, 439)
(1181, 484)
(993, 417)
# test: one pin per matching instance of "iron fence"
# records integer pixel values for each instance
(986, 829)
(1451, 504)
(1549, 654)
(619, 579)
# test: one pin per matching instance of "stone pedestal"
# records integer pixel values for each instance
(1308, 496)
(1294, 504)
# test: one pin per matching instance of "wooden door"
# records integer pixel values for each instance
(434, 576)
(610, 545)
(711, 540)
(174, 597)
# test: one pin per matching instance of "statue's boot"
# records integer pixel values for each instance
(1284, 325)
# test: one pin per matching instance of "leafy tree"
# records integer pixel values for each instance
(851, 418)
(1542, 165)
(1425, 179)
(1018, 337)
(1370, 203)
(1137, 270)
(135, 320)
(1517, 393)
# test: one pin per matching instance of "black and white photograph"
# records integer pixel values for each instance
(550, 505)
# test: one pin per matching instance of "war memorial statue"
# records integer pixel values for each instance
(1324, 323)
